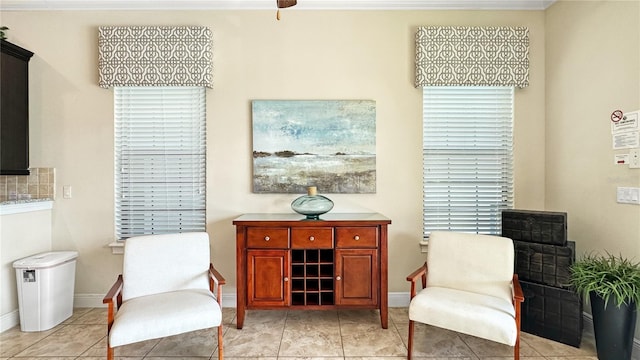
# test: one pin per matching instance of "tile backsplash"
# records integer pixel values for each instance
(41, 184)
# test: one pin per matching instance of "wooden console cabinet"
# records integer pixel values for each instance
(285, 261)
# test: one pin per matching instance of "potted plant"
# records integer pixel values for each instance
(612, 284)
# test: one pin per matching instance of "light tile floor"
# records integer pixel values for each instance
(286, 335)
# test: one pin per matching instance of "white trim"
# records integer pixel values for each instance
(19, 5)
(399, 299)
(117, 247)
(95, 300)
(424, 246)
(587, 323)
(22, 207)
(229, 299)
(88, 301)
(9, 320)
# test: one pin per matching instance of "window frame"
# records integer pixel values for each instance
(159, 160)
(457, 147)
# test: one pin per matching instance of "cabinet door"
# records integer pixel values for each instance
(268, 277)
(14, 112)
(356, 276)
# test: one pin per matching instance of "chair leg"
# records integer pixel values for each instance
(516, 348)
(410, 341)
(109, 351)
(220, 350)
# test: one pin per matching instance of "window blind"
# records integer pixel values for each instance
(467, 158)
(159, 160)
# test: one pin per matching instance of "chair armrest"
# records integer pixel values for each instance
(518, 295)
(114, 293)
(413, 278)
(216, 280)
(215, 275)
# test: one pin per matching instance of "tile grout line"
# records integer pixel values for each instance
(344, 356)
(35, 343)
(406, 345)
(468, 347)
(284, 326)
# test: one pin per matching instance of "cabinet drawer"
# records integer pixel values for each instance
(356, 237)
(312, 238)
(269, 238)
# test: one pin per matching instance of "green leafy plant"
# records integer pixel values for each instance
(608, 275)
(3, 29)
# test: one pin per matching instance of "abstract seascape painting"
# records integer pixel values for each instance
(330, 144)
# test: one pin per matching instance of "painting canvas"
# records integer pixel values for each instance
(329, 144)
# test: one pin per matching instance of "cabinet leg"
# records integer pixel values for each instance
(384, 317)
(240, 317)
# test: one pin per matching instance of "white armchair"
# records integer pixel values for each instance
(469, 286)
(167, 287)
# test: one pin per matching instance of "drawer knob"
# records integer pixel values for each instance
(338, 278)
(266, 238)
(286, 279)
(311, 238)
(356, 238)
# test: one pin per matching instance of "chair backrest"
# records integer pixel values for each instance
(161, 263)
(481, 264)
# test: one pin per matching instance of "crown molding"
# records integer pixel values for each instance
(27, 5)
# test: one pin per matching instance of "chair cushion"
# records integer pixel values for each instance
(470, 313)
(470, 262)
(162, 263)
(166, 314)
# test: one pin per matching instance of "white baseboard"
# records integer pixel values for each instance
(9, 320)
(399, 299)
(88, 300)
(95, 300)
(396, 299)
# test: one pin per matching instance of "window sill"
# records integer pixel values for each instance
(424, 245)
(117, 247)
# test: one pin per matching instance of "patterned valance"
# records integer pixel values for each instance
(155, 56)
(472, 56)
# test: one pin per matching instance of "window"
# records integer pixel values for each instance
(159, 160)
(467, 158)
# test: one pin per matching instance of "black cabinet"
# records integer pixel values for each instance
(14, 109)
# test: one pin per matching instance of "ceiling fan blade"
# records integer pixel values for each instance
(286, 3)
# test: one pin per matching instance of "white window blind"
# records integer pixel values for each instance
(467, 158)
(159, 160)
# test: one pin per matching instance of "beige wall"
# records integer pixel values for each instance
(593, 68)
(22, 235)
(307, 55)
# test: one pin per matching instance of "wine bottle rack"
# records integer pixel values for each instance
(312, 277)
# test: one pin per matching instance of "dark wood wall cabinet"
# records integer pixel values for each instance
(285, 261)
(14, 109)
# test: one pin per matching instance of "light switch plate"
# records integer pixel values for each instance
(66, 191)
(628, 195)
(634, 158)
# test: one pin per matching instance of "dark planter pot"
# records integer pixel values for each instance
(614, 328)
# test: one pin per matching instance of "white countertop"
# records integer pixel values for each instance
(22, 206)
